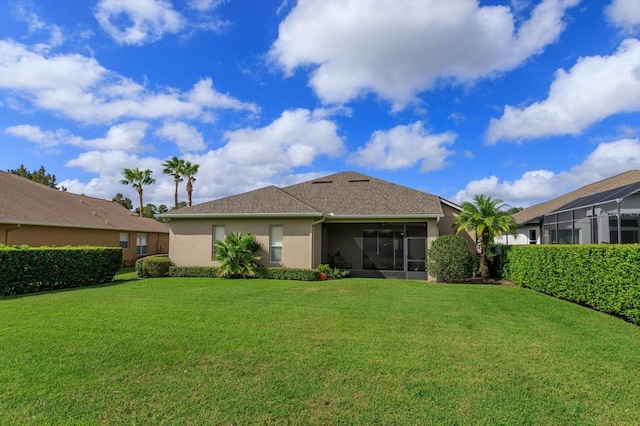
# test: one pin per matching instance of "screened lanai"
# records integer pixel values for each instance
(606, 217)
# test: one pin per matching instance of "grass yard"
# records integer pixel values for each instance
(354, 351)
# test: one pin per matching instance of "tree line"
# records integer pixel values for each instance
(175, 167)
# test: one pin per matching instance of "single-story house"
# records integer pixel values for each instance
(36, 215)
(607, 211)
(373, 227)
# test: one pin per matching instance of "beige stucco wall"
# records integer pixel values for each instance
(36, 236)
(192, 240)
(445, 225)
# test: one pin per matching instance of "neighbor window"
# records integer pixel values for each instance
(275, 243)
(141, 244)
(533, 238)
(124, 240)
(218, 235)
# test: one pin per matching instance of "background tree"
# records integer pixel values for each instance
(40, 176)
(122, 200)
(487, 218)
(174, 167)
(189, 171)
(138, 179)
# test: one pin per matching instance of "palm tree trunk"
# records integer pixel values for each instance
(176, 195)
(189, 190)
(484, 267)
(140, 194)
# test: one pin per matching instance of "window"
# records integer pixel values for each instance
(533, 238)
(141, 244)
(124, 240)
(275, 243)
(218, 235)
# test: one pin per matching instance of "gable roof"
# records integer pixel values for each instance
(27, 202)
(534, 213)
(345, 194)
(600, 198)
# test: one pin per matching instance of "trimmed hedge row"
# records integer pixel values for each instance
(26, 269)
(262, 273)
(294, 274)
(153, 266)
(603, 277)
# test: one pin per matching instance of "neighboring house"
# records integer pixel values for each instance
(36, 215)
(349, 220)
(607, 211)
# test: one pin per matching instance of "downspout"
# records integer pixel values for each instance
(313, 242)
(6, 233)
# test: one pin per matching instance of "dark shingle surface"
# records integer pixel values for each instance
(27, 202)
(268, 200)
(343, 194)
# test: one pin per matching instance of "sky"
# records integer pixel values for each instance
(521, 100)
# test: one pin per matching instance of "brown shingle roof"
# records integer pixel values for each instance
(340, 194)
(355, 194)
(533, 213)
(268, 200)
(28, 202)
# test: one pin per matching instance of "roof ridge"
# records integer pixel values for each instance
(298, 199)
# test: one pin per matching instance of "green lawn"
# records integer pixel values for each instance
(354, 351)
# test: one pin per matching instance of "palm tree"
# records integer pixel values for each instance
(189, 171)
(237, 255)
(173, 167)
(487, 218)
(138, 179)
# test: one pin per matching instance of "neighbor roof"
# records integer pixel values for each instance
(534, 213)
(27, 202)
(346, 194)
(602, 197)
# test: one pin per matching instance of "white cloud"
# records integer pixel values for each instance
(138, 22)
(403, 147)
(608, 159)
(398, 49)
(126, 137)
(186, 137)
(595, 88)
(204, 5)
(80, 88)
(250, 158)
(624, 14)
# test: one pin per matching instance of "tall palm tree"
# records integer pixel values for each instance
(138, 179)
(173, 167)
(189, 171)
(487, 218)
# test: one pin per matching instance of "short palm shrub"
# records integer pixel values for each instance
(238, 255)
(449, 259)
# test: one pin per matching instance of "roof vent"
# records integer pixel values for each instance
(322, 181)
(95, 213)
(81, 202)
(359, 180)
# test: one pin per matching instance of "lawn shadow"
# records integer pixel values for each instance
(62, 290)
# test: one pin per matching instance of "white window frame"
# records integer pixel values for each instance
(141, 249)
(276, 246)
(124, 242)
(214, 239)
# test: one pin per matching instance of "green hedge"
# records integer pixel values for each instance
(603, 277)
(449, 259)
(295, 274)
(193, 271)
(263, 273)
(153, 266)
(26, 269)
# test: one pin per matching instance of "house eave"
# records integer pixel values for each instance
(331, 216)
(106, 227)
(238, 215)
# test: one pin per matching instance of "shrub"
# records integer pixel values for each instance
(296, 274)
(193, 271)
(153, 266)
(449, 259)
(237, 255)
(26, 269)
(603, 277)
(337, 273)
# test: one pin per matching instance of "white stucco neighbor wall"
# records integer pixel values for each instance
(521, 238)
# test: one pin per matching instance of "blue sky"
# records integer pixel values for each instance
(521, 100)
